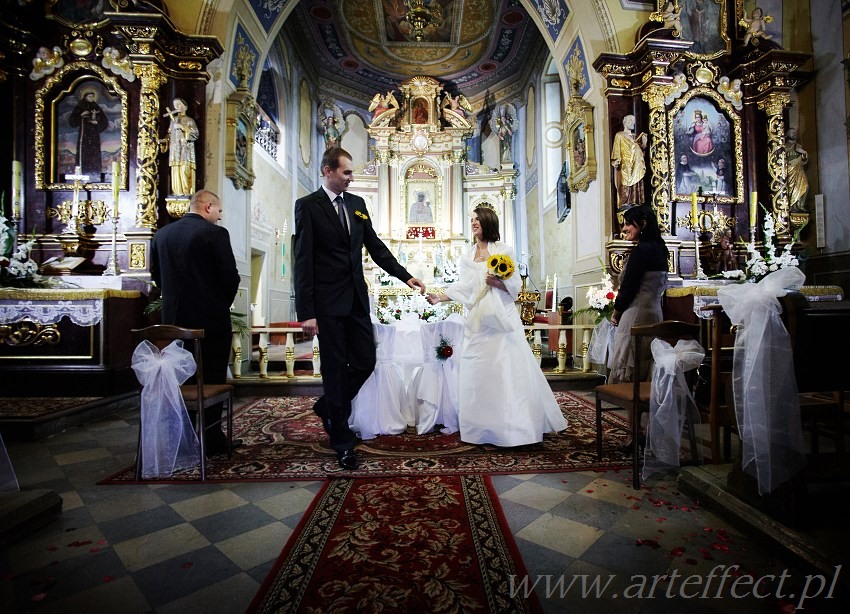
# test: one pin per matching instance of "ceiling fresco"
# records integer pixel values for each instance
(369, 45)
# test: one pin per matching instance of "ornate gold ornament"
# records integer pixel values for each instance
(46, 98)
(659, 159)
(138, 257)
(421, 17)
(774, 104)
(241, 119)
(28, 333)
(147, 143)
(579, 139)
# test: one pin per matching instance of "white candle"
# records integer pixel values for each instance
(17, 188)
(555, 292)
(115, 173)
(754, 209)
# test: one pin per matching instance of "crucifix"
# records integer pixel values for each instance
(69, 212)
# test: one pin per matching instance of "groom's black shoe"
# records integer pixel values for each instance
(326, 424)
(348, 460)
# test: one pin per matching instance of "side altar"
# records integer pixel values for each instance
(67, 341)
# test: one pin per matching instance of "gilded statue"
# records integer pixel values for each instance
(629, 166)
(796, 182)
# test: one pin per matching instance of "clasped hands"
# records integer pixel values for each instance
(491, 280)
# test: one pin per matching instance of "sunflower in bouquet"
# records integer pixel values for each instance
(500, 265)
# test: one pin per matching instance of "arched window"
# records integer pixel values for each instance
(552, 149)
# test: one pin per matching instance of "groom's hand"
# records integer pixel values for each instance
(415, 283)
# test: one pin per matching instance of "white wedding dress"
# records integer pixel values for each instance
(504, 398)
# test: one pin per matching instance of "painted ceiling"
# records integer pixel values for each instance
(368, 45)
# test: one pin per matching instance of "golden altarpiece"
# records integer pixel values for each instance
(89, 96)
(420, 186)
(714, 99)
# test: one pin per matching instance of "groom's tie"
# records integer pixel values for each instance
(340, 209)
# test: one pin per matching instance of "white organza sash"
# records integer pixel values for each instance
(601, 342)
(764, 386)
(670, 401)
(169, 442)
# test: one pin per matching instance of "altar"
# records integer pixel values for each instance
(67, 341)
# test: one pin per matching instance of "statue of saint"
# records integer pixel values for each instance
(629, 166)
(180, 144)
(796, 182)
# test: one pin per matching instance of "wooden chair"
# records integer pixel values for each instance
(197, 396)
(634, 396)
(718, 409)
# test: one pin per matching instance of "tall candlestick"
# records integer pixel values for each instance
(115, 174)
(17, 189)
(754, 208)
(694, 209)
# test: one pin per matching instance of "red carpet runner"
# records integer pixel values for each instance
(284, 441)
(427, 544)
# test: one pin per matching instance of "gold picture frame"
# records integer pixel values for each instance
(57, 138)
(581, 151)
(239, 149)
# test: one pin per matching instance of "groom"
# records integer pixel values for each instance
(331, 229)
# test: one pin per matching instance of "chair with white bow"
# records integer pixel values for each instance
(381, 406)
(635, 396)
(167, 440)
(434, 390)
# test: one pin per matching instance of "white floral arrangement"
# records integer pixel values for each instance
(600, 300)
(758, 265)
(17, 268)
(450, 272)
(416, 304)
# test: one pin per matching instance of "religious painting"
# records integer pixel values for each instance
(706, 151)
(420, 202)
(77, 11)
(581, 152)
(81, 128)
(563, 194)
(419, 111)
(437, 30)
(88, 137)
(704, 22)
(238, 154)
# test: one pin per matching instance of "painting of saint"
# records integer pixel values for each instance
(420, 111)
(421, 211)
(703, 150)
(88, 132)
(700, 21)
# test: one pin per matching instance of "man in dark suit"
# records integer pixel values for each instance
(331, 296)
(193, 265)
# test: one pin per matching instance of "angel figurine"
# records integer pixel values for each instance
(457, 104)
(45, 62)
(756, 26)
(331, 125)
(383, 108)
(671, 15)
(731, 91)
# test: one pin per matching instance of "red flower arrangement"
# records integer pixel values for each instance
(444, 350)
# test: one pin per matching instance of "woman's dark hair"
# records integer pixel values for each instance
(489, 224)
(643, 216)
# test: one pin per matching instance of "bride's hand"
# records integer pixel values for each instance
(435, 298)
(495, 282)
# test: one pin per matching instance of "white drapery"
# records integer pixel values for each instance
(169, 442)
(670, 402)
(87, 312)
(767, 406)
(601, 342)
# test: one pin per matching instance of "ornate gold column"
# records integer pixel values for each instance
(659, 159)
(777, 168)
(147, 147)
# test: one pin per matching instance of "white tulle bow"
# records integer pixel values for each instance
(670, 401)
(169, 442)
(767, 406)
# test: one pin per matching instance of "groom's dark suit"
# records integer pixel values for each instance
(330, 287)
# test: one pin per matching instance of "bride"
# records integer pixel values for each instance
(504, 398)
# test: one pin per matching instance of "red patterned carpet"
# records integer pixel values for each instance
(284, 441)
(407, 544)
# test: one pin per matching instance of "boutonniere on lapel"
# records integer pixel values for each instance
(361, 215)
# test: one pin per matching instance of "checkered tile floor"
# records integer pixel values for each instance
(207, 548)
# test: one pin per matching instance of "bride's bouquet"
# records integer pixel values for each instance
(500, 265)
